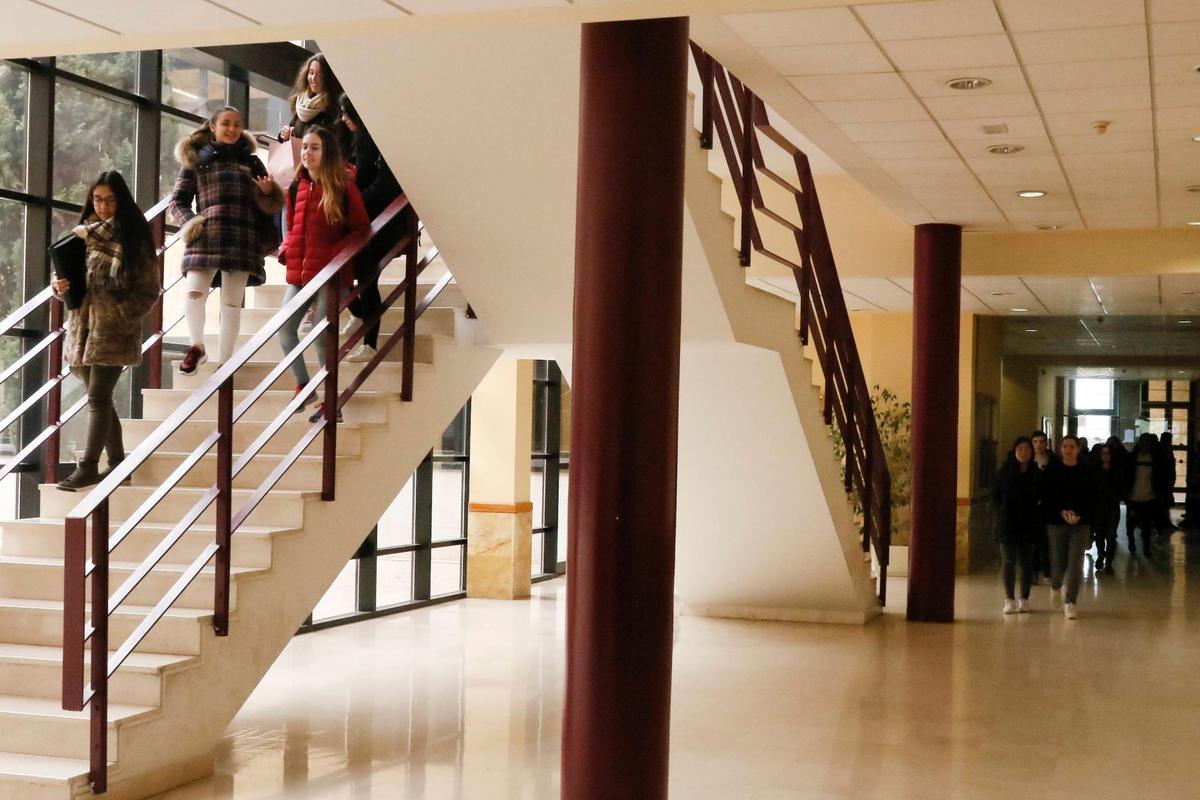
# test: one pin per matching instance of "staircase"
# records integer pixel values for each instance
(287, 553)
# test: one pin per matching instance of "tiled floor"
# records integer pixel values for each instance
(464, 701)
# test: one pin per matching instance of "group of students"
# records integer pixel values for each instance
(226, 205)
(1050, 508)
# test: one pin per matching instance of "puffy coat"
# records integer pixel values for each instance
(106, 329)
(311, 241)
(232, 211)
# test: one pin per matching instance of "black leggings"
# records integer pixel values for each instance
(1012, 553)
(104, 426)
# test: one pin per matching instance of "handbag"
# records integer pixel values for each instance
(69, 256)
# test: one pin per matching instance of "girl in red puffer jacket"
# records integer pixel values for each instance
(324, 207)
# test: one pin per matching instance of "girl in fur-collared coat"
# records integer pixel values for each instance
(228, 233)
(104, 335)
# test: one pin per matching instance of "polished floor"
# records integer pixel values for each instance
(463, 701)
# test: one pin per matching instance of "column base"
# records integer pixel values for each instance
(499, 551)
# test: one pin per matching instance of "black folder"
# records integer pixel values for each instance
(69, 256)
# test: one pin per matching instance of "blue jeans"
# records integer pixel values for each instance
(289, 338)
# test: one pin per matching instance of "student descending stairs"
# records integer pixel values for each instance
(170, 702)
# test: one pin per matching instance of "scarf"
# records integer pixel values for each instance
(309, 106)
(104, 253)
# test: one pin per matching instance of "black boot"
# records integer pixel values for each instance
(85, 474)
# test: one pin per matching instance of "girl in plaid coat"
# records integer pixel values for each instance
(230, 230)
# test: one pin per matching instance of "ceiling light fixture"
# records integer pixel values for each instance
(1031, 330)
(1195, 223)
(1005, 149)
(1019, 310)
(1196, 138)
(1184, 321)
(1000, 294)
(1030, 194)
(968, 83)
(1048, 227)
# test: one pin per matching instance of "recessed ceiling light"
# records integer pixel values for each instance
(1005, 149)
(1184, 321)
(1196, 138)
(1031, 330)
(1019, 310)
(968, 83)
(1195, 223)
(1030, 194)
(1000, 294)
(1048, 227)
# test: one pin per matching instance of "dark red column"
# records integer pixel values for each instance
(937, 281)
(625, 389)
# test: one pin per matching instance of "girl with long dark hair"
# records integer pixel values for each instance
(1110, 488)
(104, 334)
(1069, 504)
(314, 99)
(323, 207)
(1015, 498)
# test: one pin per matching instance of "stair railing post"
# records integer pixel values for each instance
(158, 229)
(329, 448)
(74, 614)
(224, 506)
(868, 497)
(98, 772)
(410, 312)
(747, 176)
(54, 400)
(707, 97)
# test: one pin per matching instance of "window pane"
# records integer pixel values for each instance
(189, 87)
(12, 255)
(396, 524)
(535, 562)
(446, 574)
(1180, 391)
(537, 492)
(173, 130)
(564, 480)
(447, 501)
(62, 221)
(1158, 391)
(14, 106)
(454, 438)
(118, 70)
(394, 579)
(92, 133)
(1093, 393)
(340, 598)
(267, 112)
(1094, 427)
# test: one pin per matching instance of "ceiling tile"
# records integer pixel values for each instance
(1064, 295)
(1053, 47)
(1176, 69)
(1174, 10)
(1179, 139)
(800, 27)
(912, 131)
(1062, 101)
(1018, 164)
(21, 18)
(1177, 95)
(1002, 292)
(908, 149)
(1175, 38)
(827, 59)
(965, 53)
(131, 18)
(931, 19)
(870, 86)
(1110, 163)
(879, 292)
(972, 129)
(1122, 121)
(1035, 147)
(938, 166)
(972, 106)
(1129, 294)
(1039, 15)
(1175, 118)
(314, 13)
(1090, 74)
(1111, 142)
(899, 110)
(932, 83)
(1180, 291)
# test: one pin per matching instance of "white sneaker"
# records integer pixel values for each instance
(361, 354)
(1023, 607)
(1056, 598)
(1010, 606)
(351, 325)
(1069, 611)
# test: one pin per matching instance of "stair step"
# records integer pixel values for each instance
(365, 406)
(34, 777)
(41, 578)
(270, 353)
(437, 320)
(36, 671)
(39, 536)
(271, 295)
(282, 507)
(387, 377)
(191, 433)
(40, 725)
(31, 621)
(306, 473)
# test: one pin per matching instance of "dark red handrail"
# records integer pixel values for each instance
(737, 117)
(95, 506)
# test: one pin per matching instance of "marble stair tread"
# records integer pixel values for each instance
(13, 705)
(126, 608)
(117, 566)
(165, 527)
(22, 765)
(45, 654)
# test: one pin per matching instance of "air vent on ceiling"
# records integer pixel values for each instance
(995, 130)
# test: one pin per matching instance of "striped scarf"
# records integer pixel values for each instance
(104, 253)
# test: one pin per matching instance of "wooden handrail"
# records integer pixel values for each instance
(77, 633)
(738, 118)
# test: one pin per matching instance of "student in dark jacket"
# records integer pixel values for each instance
(1164, 488)
(1069, 506)
(323, 208)
(1015, 499)
(1110, 488)
(1043, 459)
(314, 98)
(379, 188)
(1145, 483)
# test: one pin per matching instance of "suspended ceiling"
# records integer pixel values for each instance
(878, 74)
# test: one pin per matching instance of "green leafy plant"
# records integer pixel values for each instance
(893, 418)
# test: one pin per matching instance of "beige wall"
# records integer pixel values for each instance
(1019, 412)
(1157, 251)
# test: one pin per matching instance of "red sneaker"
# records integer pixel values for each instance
(304, 404)
(194, 357)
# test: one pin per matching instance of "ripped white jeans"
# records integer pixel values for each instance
(233, 292)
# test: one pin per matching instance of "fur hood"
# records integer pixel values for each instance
(189, 149)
